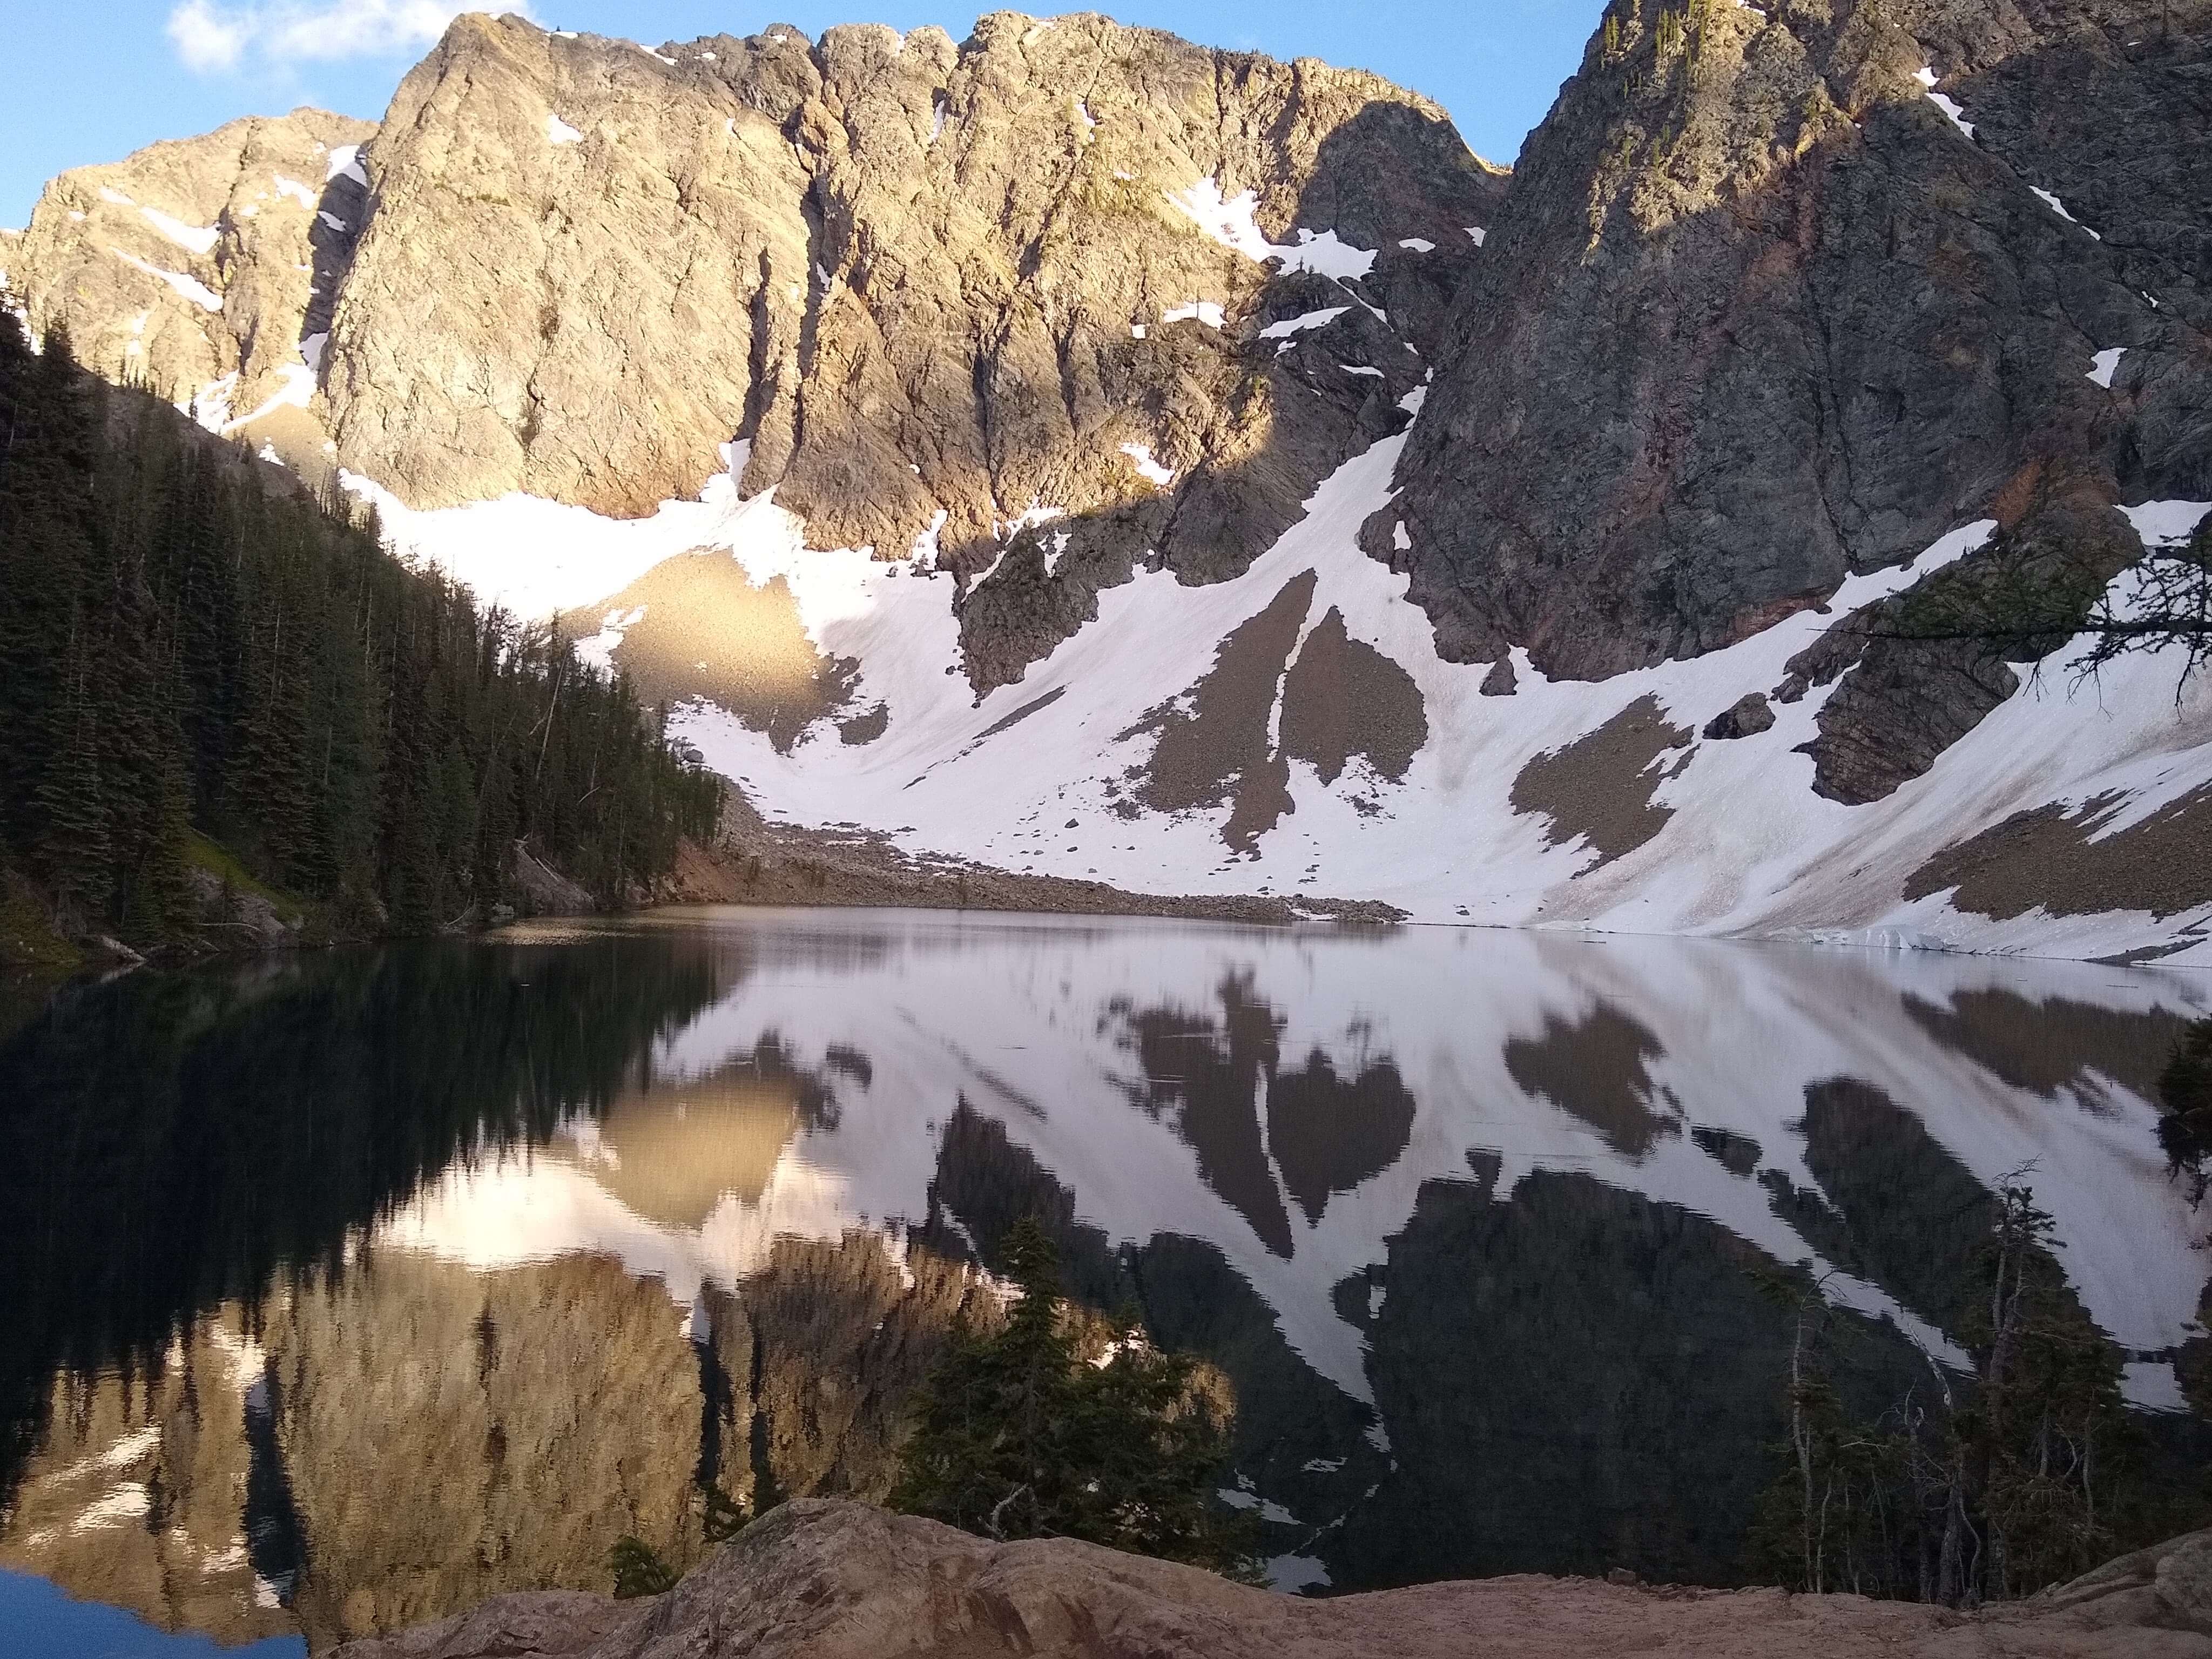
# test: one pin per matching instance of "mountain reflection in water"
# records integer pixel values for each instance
(345, 1290)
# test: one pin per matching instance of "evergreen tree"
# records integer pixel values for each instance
(1016, 1435)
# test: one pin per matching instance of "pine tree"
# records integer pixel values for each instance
(1015, 1436)
(69, 839)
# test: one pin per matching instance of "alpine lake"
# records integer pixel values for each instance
(342, 1289)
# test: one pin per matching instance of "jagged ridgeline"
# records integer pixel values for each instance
(214, 682)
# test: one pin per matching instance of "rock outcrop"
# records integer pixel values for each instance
(1796, 324)
(826, 1580)
(1761, 311)
(203, 268)
(942, 295)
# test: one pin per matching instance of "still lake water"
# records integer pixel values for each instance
(343, 1290)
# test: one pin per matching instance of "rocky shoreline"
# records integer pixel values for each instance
(833, 1579)
(756, 861)
(751, 861)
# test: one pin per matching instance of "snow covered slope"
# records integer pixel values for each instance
(1567, 802)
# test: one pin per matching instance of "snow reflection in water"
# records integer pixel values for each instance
(597, 1212)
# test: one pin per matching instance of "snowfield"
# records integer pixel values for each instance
(1749, 851)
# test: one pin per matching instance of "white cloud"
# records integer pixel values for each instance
(213, 34)
(205, 37)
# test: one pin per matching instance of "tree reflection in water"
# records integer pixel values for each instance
(582, 1220)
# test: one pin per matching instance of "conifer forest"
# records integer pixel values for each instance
(212, 678)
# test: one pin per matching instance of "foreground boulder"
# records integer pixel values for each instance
(828, 1579)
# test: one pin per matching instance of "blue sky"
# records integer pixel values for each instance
(94, 80)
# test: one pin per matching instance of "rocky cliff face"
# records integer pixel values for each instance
(203, 268)
(1763, 312)
(943, 292)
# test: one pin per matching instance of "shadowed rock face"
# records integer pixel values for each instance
(1906, 700)
(1757, 315)
(1598, 1069)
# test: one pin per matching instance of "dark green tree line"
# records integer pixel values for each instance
(187, 651)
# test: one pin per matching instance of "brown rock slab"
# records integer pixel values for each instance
(827, 1579)
(1599, 787)
(2048, 857)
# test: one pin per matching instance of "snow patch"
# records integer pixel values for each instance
(2167, 524)
(1478, 233)
(1241, 1497)
(298, 386)
(109, 193)
(598, 652)
(2059, 207)
(345, 164)
(1147, 468)
(1207, 312)
(924, 553)
(2103, 364)
(1418, 244)
(127, 1502)
(558, 131)
(211, 404)
(2152, 1385)
(539, 558)
(333, 222)
(1234, 224)
(199, 238)
(298, 191)
(1029, 517)
(1290, 326)
(191, 287)
(1926, 75)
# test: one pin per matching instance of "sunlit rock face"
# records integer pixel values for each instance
(204, 269)
(943, 292)
(161, 1491)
